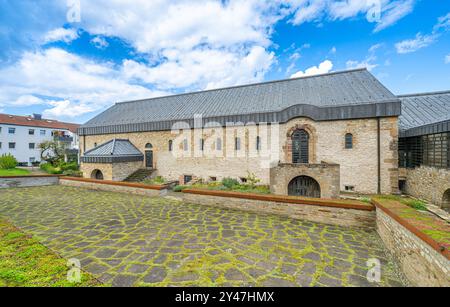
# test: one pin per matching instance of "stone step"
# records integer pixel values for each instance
(140, 175)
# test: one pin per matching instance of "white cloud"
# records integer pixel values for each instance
(60, 34)
(72, 85)
(422, 41)
(324, 67)
(447, 59)
(412, 45)
(333, 50)
(99, 42)
(390, 12)
(368, 62)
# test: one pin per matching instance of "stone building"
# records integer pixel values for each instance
(424, 147)
(312, 136)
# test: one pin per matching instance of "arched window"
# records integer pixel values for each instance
(300, 147)
(446, 201)
(348, 141)
(97, 174)
(149, 146)
(185, 145)
(258, 143)
(237, 143)
(170, 145)
(201, 144)
(304, 186)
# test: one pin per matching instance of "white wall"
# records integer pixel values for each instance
(22, 138)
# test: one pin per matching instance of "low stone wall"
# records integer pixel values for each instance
(420, 257)
(28, 181)
(112, 186)
(428, 183)
(334, 214)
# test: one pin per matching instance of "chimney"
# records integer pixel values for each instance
(37, 116)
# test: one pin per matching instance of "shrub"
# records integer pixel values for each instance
(252, 180)
(179, 188)
(72, 166)
(8, 162)
(73, 173)
(50, 169)
(229, 183)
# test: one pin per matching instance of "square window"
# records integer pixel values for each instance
(42, 132)
(213, 179)
(32, 159)
(31, 145)
(31, 131)
(243, 179)
(11, 130)
(12, 145)
(349, 188)
(187, 178)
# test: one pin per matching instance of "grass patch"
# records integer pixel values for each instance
(24, 262)
(14, 172)
(410, 202)
(155, 181)
(217, 186)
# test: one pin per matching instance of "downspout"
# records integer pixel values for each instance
(379, 154)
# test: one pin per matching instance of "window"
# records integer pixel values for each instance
(213, 179)
(187, 178)
(202, 144)
(170, 145)
(95, 144)
(348, 141)
(42, 132)
(32, 159)
(237, 144)
(219, 144)
(0, 129)
(258, 143)
(31, 146)
(12, 145)
(349, 188)
(31, 131)
(243, 179)
(11, 130)
(300, 147)
(148, 146)
(185, 145)
(0, 145)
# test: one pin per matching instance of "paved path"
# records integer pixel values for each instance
(129, 240)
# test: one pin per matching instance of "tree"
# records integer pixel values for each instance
(52, 152)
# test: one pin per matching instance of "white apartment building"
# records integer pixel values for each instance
(21, 136)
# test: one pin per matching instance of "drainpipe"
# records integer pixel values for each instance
(379, 154)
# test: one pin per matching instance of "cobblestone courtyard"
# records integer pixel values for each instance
(127, 240)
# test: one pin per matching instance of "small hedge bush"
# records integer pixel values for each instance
(8, 161)
(50, 169)
(229, 183)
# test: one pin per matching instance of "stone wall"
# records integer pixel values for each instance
(110, 187)
(121, 171)
(27, 181)
(428, 183)
(327, 175)
(105, 168)
(358, 165)
(421, 264)
(313, 213)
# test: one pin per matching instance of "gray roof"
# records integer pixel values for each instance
(425, 113)
(338, 95)
(116, 150)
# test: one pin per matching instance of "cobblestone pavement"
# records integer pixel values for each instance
(128, 240)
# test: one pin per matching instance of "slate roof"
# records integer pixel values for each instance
(116, 150)
(425, 113)
(337, 95)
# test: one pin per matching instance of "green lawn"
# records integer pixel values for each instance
(24, 262)
(14, 172)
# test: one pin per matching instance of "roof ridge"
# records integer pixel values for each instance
(424, 94)
(249, 84)
(113, 146)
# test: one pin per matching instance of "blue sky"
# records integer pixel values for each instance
(72, 59)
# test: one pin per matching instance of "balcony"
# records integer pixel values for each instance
(64, 139)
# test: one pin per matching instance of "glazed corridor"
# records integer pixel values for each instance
(127, 240)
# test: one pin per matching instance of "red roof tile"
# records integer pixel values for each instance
(31, 122)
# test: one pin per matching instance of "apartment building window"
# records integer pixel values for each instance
(42, 132)
(12, 145)
(31, 146)
(31, 131)
(11, 130)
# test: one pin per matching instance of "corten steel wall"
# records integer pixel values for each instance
(320, 213)
(28, 181)
(428, 183)
(359, 166)
(420, 258)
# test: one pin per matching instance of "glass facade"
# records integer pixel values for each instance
(429, 150)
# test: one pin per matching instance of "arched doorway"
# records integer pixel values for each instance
(149, 155)
(300, 146)
(304, 186)
(446, 201)
(97, 174)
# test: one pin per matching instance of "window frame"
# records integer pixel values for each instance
(348, 141)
